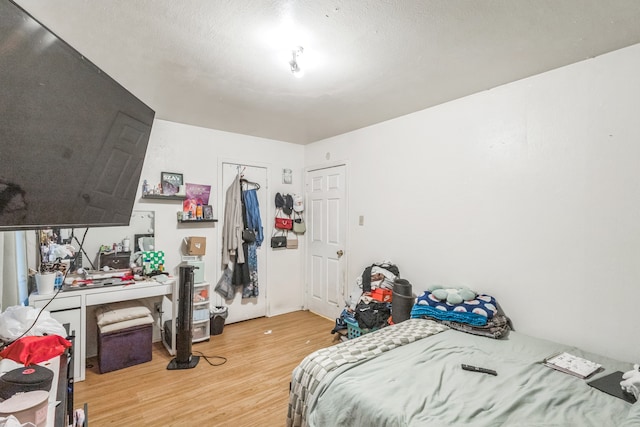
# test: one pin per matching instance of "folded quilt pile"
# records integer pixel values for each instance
(476, 312)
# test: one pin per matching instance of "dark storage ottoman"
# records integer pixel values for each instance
(124, 347)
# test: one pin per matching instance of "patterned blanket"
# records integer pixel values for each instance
(483, 304)
(318, 369)
(474, 312)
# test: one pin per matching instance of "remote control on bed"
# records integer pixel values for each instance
(476, 369)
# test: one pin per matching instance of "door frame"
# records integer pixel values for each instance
(307, 253)
(264, 282)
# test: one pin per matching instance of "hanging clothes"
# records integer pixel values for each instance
(250, 290)
(233, 224)
(251, 210)
(241, 275)
(253, 220)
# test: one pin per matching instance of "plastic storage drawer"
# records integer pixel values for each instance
(201, 331)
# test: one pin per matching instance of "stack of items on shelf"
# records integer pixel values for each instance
(463, 309)
(195, 206)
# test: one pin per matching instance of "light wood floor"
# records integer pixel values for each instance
(250, 389)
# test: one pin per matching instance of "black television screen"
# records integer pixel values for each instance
(72, 139)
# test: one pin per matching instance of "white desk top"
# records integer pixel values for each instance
(106, 294)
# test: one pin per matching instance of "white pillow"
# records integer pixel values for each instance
(120, 311)
(148, 319)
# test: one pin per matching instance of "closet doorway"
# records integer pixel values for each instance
(244, 308)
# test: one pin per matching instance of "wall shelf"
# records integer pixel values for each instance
(196, 221)
(162, 197)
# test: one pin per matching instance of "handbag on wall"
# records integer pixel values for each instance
(299, 227)
(278, 241)
(284, 223)
(292, 243)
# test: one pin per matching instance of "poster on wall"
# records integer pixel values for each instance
(171, 182)
(195, 194)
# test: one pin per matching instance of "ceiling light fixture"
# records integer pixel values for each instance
(295, 62)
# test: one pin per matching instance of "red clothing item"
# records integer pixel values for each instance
(34, 349)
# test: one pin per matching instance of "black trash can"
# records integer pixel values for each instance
(217, 317)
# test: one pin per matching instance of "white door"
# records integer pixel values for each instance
(326, 217)
(246, 308)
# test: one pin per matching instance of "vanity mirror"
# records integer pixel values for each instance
(112, 246)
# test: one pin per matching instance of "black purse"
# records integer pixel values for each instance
(248, 235)
(278, 241)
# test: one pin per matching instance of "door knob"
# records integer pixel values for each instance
(340, 253)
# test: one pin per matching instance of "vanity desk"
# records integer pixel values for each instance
(71, 306)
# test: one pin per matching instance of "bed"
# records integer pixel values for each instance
(410, 374)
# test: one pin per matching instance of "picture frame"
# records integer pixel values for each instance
(171, 182)
(287, 176)
(207, 212)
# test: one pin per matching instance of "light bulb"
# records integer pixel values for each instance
(295, 62)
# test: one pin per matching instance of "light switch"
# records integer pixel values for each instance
(361, 220)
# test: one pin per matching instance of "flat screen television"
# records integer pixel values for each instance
(72, 139)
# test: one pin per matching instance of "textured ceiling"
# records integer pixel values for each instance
(223, 64)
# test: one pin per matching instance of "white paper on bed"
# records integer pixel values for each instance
(572, 364)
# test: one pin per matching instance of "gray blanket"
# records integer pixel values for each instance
(317, 369)
(422, 384)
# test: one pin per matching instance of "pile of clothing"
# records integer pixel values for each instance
(363, 309)
(376, 276)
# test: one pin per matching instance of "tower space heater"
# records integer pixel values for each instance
(184, 359)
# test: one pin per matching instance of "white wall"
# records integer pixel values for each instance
(196, 153)
(529, 192)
